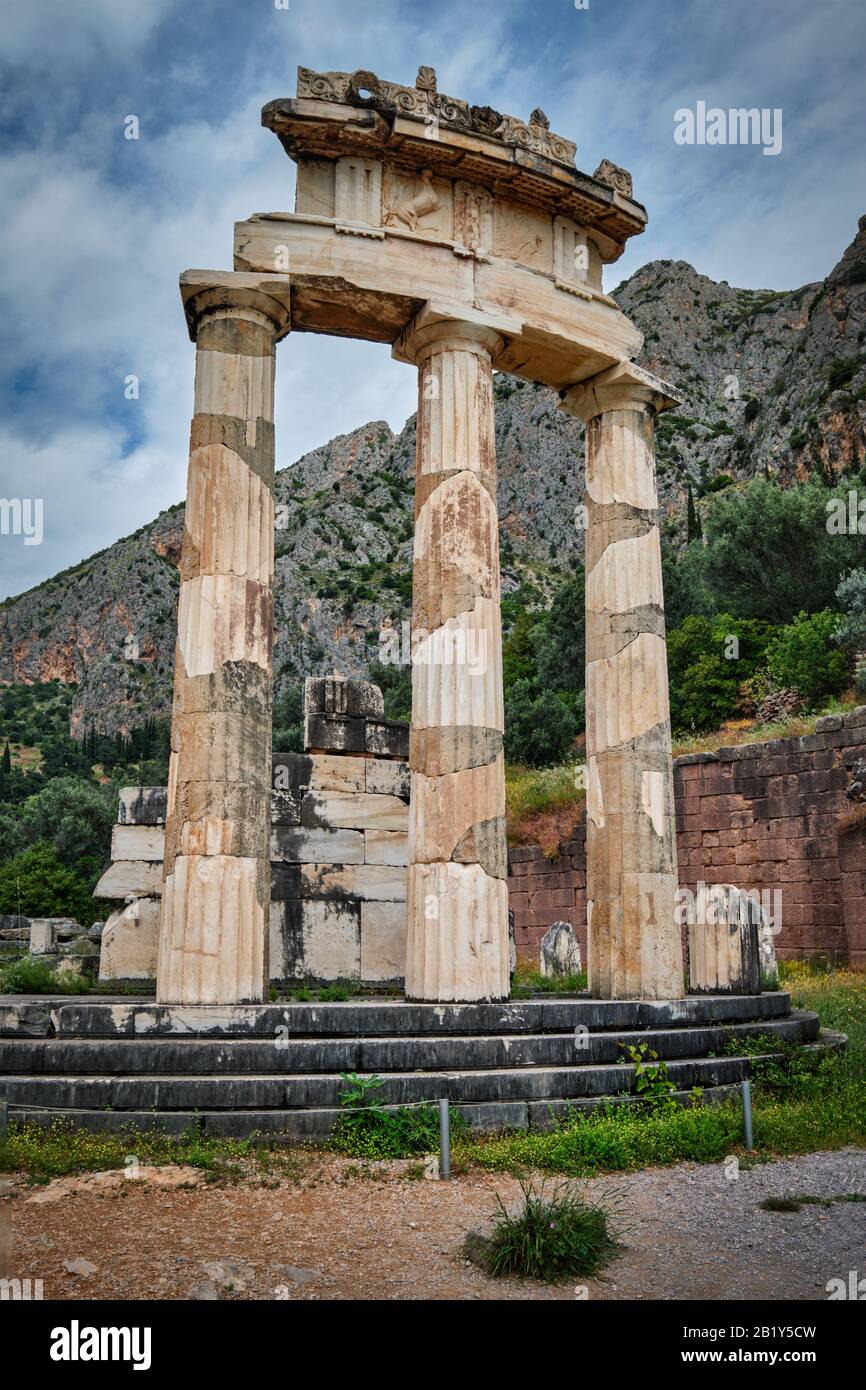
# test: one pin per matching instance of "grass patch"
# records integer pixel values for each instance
(528, 980)
(804, 1103)
(28, 975)
(542, 805)
(806, 1200)
(63, 1149)
(553, 1236)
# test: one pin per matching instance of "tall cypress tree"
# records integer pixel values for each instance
(693, 521)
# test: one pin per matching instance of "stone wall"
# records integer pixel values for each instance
(339, 851)
(770, 817)
(339, 844)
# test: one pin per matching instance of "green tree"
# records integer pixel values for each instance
(851, 598)
(770, 553)
(74, 819)
(560, 640)
(37, 884)
(518, 652)
(288, 735)
(395, 682)
(708, 660)
(685, 586)
(539, 728)
(693, 521)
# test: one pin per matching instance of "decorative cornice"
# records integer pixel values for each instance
(423, 102)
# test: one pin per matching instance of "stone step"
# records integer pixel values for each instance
(305, 1106)
(294, 1126)
(284, 1054)
(390, 1017)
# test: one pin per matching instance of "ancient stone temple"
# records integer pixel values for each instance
(469, 241)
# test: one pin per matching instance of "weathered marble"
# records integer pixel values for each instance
(457, 908)
(216, 891)
(634, 937)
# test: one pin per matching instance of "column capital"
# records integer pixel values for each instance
(624, 386)
(202, 291)
(439, 325)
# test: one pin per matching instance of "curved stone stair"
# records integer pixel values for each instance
(276, 1068)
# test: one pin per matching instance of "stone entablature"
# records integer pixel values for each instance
(415, 128)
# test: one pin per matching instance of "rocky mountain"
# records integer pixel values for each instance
(773, 382)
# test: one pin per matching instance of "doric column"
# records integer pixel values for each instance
(216, 888)
(635, 949)
(457, 897)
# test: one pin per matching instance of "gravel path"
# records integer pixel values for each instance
(330, 1229)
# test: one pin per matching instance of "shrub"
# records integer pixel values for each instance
(551, 1237)
(366, 1129)
(851, 598)
(802, 657)
(705, 676)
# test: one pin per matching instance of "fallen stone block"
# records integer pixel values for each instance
(560, 951)
(130, 940)
(42, 935)
(724, 941)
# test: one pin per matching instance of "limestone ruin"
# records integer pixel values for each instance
(469, 241)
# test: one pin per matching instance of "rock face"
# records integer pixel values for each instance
(344, 511)
(560, 951)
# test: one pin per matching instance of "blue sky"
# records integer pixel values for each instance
(96, 228)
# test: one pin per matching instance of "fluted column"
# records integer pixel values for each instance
(457, 897)
(216, 888)
(635, 949)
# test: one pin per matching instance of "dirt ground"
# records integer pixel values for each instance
(319, 1227)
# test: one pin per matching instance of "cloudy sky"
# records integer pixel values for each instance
(96, 228)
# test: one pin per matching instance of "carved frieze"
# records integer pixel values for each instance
(417, 203)
(524, 235)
